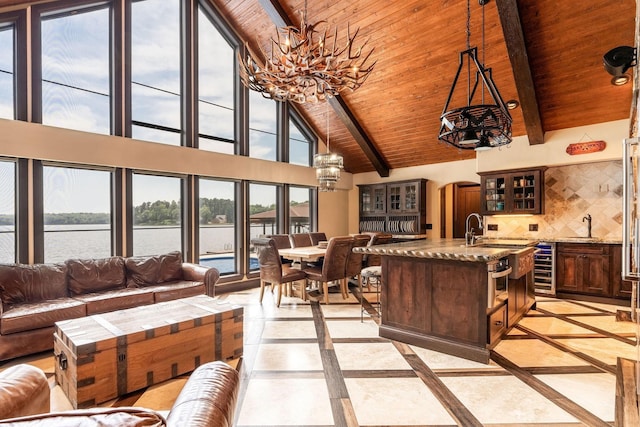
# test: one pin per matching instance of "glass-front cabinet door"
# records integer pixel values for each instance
(494, 194)
(372, 199)
(512, 192)
(526, 196)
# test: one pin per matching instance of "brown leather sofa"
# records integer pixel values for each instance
(208, 398)
(34, 297)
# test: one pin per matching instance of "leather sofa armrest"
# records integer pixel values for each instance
(208, 399)
(106, 417)
(198, 273)
(24, 390)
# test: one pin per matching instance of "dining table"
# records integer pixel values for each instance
(303, 254)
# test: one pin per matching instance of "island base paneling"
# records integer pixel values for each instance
(436, 304)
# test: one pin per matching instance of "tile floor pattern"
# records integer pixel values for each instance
(307, 364)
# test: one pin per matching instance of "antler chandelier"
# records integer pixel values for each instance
(481, 126)
(306, 65)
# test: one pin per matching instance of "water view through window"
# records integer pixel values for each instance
(7, 212)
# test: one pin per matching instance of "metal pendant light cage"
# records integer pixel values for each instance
(477, 126)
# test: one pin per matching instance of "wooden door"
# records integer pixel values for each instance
(466, 200)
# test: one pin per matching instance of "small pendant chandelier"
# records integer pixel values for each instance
(328, 166)
(479, 126)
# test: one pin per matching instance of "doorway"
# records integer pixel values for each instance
(466, 201)
(457, 201)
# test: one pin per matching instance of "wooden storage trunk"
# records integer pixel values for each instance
(103, 356)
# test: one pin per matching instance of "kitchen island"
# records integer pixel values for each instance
(441, 294)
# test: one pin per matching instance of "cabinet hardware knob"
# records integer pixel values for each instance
(498, 323)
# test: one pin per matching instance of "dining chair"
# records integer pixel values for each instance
(371, 262)
(300, 240)
(334, 267)
(282, 242)
(317, 237)
(272, 271)
(354, 261)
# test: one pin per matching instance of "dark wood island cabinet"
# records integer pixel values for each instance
(437, 295)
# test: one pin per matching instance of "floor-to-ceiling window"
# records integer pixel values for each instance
(6, 71)
(216, 91)
(263, 141)
(75, 69)
(7, 211)
(264, 215)
(300, 144)
(157, 214)
(218, 224)
(299, 218)
(155, 71)
(77, 213)
(109, 66)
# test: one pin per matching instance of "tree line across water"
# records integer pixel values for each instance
(160, 212)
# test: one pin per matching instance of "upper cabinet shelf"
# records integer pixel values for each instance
(394, 207)
(512, 192)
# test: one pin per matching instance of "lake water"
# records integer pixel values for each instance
(62, 242)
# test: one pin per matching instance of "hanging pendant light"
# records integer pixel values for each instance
(482, 125)
(328, 166)
(306, 65)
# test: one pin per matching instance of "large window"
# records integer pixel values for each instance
(157, 214)
(300, 146)
(77, 213)
(263, 212)
(299, 220)
(263, 143)
(7, 212)
(6, 72)
(155, 71)
(216, 71)
(218, 225)
(75, 70)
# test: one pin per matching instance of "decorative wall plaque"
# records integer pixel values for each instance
(586, 147)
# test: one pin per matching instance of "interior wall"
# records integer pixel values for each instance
(572, 192)
(518, 154)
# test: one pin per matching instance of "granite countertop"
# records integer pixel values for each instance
(577, 239)
(452, 249)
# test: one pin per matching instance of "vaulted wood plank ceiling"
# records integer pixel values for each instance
(416, 47)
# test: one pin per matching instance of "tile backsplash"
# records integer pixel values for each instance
(570, 193)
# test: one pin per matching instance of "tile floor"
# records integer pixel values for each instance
(307, 364)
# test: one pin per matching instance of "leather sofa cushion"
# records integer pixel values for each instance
(117, 299)
(23, 283)
(175, 290)
(95, 275)
(96, 417)
(153, 270)
(24, 390)
(29, 316)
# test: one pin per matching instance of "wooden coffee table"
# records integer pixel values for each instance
(107, 355)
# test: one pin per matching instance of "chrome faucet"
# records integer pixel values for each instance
(588, 218)
(469, 233)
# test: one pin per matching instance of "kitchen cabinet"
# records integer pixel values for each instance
(373, 199)
(397, 207)
(620, 288)
(583, 268)
(404, 197)
(512, 192)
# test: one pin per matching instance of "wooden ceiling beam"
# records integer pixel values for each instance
(514, 39)
(280, 18)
